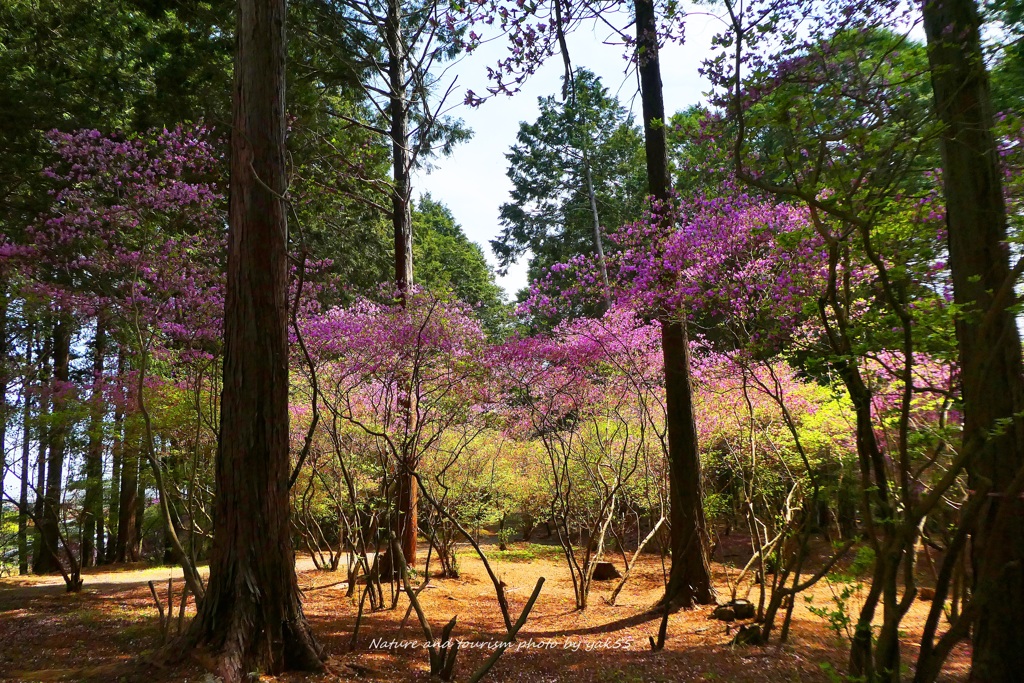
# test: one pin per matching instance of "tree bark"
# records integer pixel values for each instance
(47, 562)
(401, 220)
(116, 450)
(401, 195)
(690, 577)
(126, 545)
(408, 522)
(170, 550)
(990, 349)
(689, 581)
(26, 443)
(4, 408)
(44, 364)
(135, 550)
(92, 533)
(251, 615)
(598, 243)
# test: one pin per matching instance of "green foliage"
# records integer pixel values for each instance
(717, 507)
(836, 676)
(700, 163)
(446, 260)
(751, 450)
(846, 587)
(8, 539)
(162, 63)
(1007, 18)
(157, 66)
(549, 215)
(838, 615)
(505, 535)
(871, 156)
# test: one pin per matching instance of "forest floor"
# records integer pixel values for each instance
(106, 632)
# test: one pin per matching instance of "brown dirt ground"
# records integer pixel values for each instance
(106, 632)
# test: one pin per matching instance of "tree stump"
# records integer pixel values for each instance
(606, 571)
(733, 610)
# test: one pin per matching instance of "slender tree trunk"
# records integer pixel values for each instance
(126, 546)
(401, 196)
(92, 534)
(140, 513)
(401, 220)
(49, 520)
(165, 502)
(101, 536)
(570, 87)
(990, 348)
(170, 555)
(26, 443)
(44, 441)
(116, 450)
(4, 408)
(690, 577)
(23, 493)
(178, 529)
(407, 513)
(251, 615)
(598, 242)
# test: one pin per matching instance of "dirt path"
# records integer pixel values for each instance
(99, 580)
(109, 631)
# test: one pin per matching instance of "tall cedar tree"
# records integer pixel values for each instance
(401, 221)
(93, 536)
(47, 561)
(553, 214)
(128, 510)
(990, 348)
(690, 577)
(251, 616)
(4, 409)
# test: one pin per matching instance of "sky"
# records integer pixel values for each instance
(472, 181)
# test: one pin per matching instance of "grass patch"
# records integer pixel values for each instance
(525, 552)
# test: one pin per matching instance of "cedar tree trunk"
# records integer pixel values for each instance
(48, 562)
(26, 443)
(690, 577)
(116, 451)
(251, 615)
(126, 545)
(990, 349)
(92, 534)
(4, 355)
(401, 220)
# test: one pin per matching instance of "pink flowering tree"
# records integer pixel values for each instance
(760, 277)
(405, 391)
(133, 241)
(836, 116)
(590, 394)
(738, 267)
(771, 444)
